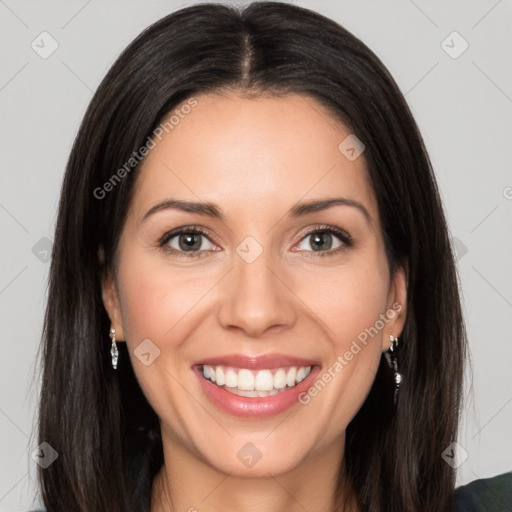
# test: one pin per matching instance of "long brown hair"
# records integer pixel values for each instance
(99, 421)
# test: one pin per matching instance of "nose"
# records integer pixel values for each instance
(257, 298)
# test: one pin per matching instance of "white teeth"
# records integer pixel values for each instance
(245, 380)
(220, 378)
(253, 382)
(209, 372)
(231, 379)
(290, 377)
(264, 381)
(280, 379)
(254, 394)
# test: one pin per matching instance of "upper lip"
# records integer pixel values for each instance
(257, 362)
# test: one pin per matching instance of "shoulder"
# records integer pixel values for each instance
(485, 495)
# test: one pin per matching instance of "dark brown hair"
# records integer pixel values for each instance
(98, 420)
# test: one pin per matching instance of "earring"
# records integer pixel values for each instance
(113, 351)
(393, 364)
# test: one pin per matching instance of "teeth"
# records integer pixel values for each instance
(245, 380)
(254, 394)
(255, 383)
(220, 378)
(280, 379)
(301, 375)
(231, 379)
(290, 377)
(264, 381)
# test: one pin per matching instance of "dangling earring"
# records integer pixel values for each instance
(113, 351)
(393, 364)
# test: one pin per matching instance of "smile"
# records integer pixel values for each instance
(255, 387)
(255, 383)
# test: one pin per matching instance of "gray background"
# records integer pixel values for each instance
(462, 106)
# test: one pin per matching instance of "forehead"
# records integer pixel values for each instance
(265, 152)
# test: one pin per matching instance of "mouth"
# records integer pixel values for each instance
(255, 387)
(255, 383)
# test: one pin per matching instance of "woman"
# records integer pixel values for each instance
(253, 302)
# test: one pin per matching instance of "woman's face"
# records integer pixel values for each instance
(255, 294)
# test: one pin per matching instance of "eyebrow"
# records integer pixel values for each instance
(214, 211)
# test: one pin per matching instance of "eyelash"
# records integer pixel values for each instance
(344, 237)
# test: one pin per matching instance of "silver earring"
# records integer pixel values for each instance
(393, 364)
(113, 351)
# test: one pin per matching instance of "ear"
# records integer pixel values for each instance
(112, 304)
(396, 305)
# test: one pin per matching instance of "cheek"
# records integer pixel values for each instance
(353, 355)
(154, 298)
(157, 304)
(351, 304)
(348, 300)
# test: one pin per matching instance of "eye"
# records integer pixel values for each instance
(192, 241)
(322, 241)
(189, 242)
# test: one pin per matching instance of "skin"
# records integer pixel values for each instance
(254, 158)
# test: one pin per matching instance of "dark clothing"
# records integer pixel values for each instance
(485, 495)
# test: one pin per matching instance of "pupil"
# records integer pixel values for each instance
(187, 241)
(317, 240)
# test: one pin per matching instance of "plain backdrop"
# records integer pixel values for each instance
(458, 86)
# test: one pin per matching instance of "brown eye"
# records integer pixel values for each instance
(188, 240)
(325, 241)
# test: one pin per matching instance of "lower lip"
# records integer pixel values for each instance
(255, 407)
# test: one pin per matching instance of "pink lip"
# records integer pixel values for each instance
(257, 407)
(254, 362)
